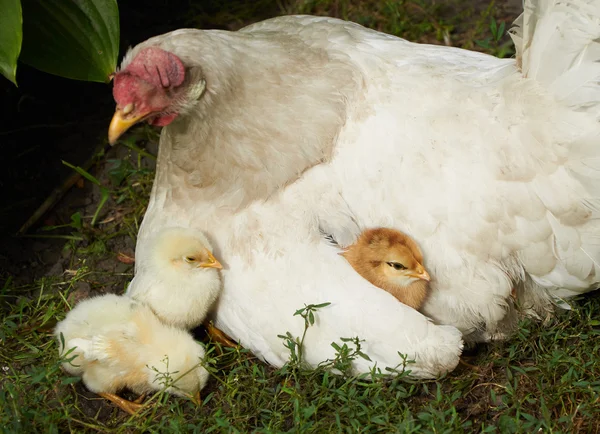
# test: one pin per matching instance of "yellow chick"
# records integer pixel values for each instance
(177, 276)
(392, 261)
(119, 343)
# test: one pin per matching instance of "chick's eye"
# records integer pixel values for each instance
(396, 266)
(189, 259)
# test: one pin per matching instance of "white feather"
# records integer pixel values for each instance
(312, 124)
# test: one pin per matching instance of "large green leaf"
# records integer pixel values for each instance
(76, 39)
(11, 32)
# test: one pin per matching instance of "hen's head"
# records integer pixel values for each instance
(388, 257)
(152, 87)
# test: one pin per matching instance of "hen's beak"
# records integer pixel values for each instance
(421, 274)
(211, 262)
(121, 123)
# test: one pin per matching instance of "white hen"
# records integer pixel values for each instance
(118, 342)
(178, 277)
(300, 124)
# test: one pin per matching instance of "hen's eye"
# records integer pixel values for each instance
(396, 266)
(189, 259)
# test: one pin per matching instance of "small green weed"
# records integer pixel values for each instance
(497, 43)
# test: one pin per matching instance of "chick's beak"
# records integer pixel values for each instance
(211, 262)
(422, 274)
(121, 122)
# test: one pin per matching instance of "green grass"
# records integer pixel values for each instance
(544, 379)
(453, 22)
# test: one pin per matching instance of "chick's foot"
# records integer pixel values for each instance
(125, 405)
(218, 336)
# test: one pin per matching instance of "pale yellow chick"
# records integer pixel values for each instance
(392, 261)
(119, 343)
(177, 276)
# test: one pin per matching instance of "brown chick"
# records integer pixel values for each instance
(392, 261)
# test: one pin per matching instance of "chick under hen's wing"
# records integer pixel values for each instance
(357, 309)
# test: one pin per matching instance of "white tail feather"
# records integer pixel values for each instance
(558, 44)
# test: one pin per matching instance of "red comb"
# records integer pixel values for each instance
(157, 66)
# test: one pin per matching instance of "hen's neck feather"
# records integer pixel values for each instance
(244, 138)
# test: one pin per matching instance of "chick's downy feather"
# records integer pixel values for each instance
(119, 343)
(178, 277)
(310, 122)
(391, 260)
